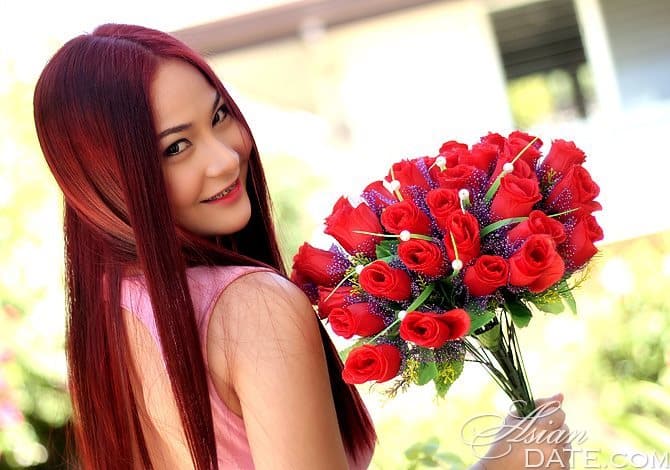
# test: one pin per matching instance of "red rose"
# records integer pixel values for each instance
(465, 229)
(330, 299)
(538, 223)
(408, 174)
(422, 257)
(314, 265)
(487, 274)
(453, 147)
(432, 330)
(458, 177)
(345, 219)
(493, 138)
(516, 142)
(536, 265)
(481, 156)
(579, 247)
(355, 319)
(575, 190)
(521, 169)
(380, 363)
(404, 215)
(515, 197)
(442, 202)
(562, 156)
(379, 194)
(381, 280)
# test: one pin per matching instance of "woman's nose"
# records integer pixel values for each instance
(220, 159)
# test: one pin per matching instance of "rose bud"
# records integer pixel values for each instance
(405, 215)
(377, 195)
(495, 139)
(458, 177)
(381, 280)
(355, 319)
(538, 223)
(407, 174)
(465, 229)
(575, 190)
(579, 247)
(318, 266)
(432, 329)
(515, 197)
(345, 219)
(562, 156)
(536, 265)
(442, 202)
(486, 275)
(520, 169)
(422, 256)
(517, 141)
(329, 299)
(380, 362)
(453, 146)
(481, 156)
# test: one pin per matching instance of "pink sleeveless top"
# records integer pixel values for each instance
(206, 284)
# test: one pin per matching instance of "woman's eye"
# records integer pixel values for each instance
(220, 115)
(176, 148)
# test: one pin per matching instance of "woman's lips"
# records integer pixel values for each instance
(227, 194)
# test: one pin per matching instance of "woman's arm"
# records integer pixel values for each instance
(276, 366)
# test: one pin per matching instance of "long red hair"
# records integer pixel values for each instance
(96, 130)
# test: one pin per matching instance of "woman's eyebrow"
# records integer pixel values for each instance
(183, 127)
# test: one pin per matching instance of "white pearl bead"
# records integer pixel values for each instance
(405, 235)
(402, 314)
(394, 185)
(463, 194)
(508, 167)
(359, 268)
(457, 265)
(441, 161)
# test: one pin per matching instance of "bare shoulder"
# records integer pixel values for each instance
(264, 305)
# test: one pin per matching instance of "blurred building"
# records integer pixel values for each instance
(348, 86)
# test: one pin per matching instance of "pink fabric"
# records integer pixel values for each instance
(206, 285)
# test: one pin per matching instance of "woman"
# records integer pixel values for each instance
(187, 346)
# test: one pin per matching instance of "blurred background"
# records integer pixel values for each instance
(337, 90)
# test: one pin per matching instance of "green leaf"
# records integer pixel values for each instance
(429, 462)
(501, 223)
(549, 307)
(566, 294)
(427, 371)
(386, 248)
(431, 446)
(490, 339)
(447, 373)
(521, 314)
(480, 319)
(421, 298)
(414, 452)
(569, 299)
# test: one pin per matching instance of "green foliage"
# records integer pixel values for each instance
(520, 313)
(426, 454)
(630, 361)
(291, 186)
(447, 373)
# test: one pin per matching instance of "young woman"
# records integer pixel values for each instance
(187, 345)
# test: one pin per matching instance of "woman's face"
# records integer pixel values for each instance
(205, 155)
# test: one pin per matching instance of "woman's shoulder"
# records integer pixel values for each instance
(263, 302)
(261, 288)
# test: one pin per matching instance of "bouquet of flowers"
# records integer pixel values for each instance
(444, 257)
